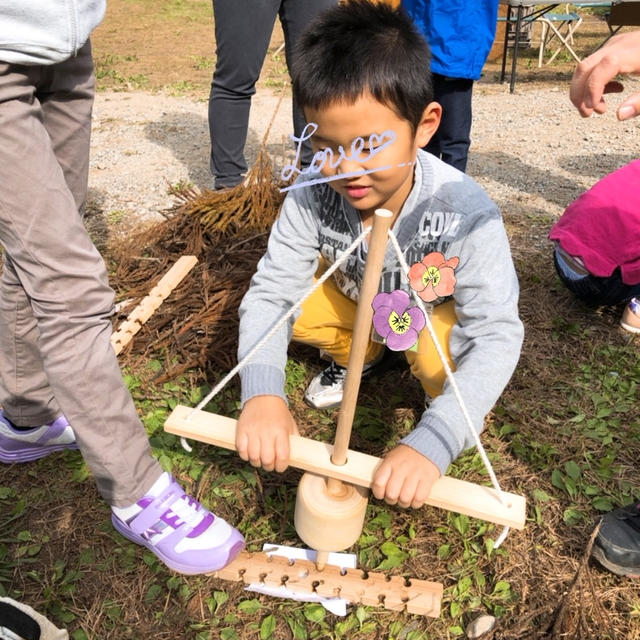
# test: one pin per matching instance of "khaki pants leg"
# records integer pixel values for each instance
(55, 300)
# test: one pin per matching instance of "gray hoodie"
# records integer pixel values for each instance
(34, 32)
(446, 211)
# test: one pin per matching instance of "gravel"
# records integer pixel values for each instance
(530, 150)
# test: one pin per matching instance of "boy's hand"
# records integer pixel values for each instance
(405, 477)
(262, 434)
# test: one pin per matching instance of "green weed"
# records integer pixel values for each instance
(115, 216)
(11, 510)
(182, 88)
(108, 74)
(279, 75)
(201, 63)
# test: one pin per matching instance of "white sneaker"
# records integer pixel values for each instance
(630, 320)
(326, 389)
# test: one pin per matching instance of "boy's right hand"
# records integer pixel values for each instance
(262, 433)
(593, 76)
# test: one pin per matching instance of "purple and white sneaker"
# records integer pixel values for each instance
(186, 536)
(26, 445)
(630, 320)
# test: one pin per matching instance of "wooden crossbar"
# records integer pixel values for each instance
(310, 455)
(302, 577)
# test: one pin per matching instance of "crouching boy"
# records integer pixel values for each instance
(361, 75)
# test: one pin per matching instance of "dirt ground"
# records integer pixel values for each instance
(533, 155)
(171, 47)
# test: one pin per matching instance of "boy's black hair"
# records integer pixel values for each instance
(363, 46)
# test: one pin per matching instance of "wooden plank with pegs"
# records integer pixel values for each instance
(151, 302)
(302, 577)
(447, 493)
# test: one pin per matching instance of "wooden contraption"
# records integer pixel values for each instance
(329, 514)
(461, 496)
(332, 496)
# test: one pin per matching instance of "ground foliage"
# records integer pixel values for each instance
(565, 434)
(227, 231)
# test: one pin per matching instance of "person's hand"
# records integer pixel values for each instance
(405, 477)
(593, 76)
(262, 434)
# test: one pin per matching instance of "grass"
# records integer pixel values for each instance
(565, 434)
(166, 45)
(579, 472)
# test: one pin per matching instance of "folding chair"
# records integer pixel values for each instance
(560, 26)
(621, 13)
(624, 13)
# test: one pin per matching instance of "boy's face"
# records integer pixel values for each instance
(377, 144)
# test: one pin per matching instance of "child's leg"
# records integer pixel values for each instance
(63, 277)
(47, 116)
(425, 363)
(326, 322)
(592, 290)
(25, 393)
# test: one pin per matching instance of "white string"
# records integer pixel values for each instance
(454, 386)
(325, 276)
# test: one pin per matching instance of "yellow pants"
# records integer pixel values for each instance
(327, 321)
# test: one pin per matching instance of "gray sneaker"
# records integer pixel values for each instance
(630, 320)
(617, 545)
(325, 390)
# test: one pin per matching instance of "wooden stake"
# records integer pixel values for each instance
(311, 455)
(361, 332)
(329, 514)
(148, 305)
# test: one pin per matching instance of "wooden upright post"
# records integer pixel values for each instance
(361, 334)
(320, 505)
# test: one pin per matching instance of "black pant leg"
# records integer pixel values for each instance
(452, 139)
(295, 15)
(243, 30)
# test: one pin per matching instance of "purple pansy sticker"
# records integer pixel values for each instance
(396, 321)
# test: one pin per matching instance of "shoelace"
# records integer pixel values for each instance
(187, 512)
(332, 374)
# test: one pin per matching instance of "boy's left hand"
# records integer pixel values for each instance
(405, 477)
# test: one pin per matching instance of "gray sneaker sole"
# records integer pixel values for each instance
(619, 570)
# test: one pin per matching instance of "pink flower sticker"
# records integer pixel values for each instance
(396, 320)
(433, 276)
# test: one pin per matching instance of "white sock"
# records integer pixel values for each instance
(126, 513)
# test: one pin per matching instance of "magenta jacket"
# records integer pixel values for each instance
(602, 227)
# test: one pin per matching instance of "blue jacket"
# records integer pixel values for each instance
(459, 32)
